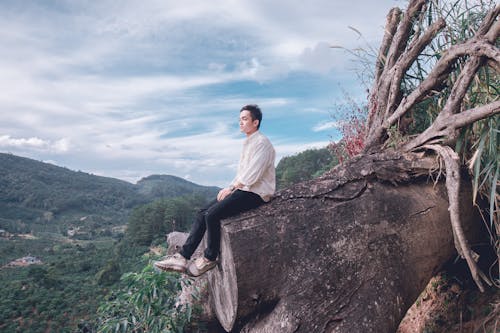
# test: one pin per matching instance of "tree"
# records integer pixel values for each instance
(387, 105)
(351, 250)
(152, 221)
(306, 165)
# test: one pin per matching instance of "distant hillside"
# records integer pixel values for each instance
(44, 197)
(160, 186)
(303, 166)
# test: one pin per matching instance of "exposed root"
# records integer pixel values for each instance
(493, 319)
(452, 166)
(385, 104)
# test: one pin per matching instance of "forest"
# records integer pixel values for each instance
(76, 225)
(79, 273)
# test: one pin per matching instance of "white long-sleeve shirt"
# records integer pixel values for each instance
(256, 167)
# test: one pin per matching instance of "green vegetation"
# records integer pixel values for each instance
(147, 303)
(76, 276)
(303, 166)
(149, 222)
(41, 197)
(56, 296)
(76, 225)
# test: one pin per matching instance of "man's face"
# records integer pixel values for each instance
(247, 125)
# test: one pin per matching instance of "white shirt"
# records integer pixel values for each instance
(256, 167)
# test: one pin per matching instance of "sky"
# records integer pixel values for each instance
(127, 89)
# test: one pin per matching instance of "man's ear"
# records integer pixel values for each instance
(256, 124)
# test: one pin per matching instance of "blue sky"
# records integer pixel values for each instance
(127, 89)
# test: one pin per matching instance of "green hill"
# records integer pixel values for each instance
(41, 197)
(165, 186)
(303, 166)
(82, 247)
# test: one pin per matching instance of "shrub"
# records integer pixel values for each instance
(147, 303)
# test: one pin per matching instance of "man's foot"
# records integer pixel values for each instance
(175, 263)
(200, 266)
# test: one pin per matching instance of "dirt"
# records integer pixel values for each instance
(449, 304)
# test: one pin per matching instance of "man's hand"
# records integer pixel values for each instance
(224, 193)
(228, 190)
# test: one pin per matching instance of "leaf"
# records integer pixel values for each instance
(477, 166)
(355, 30)
(493, 196)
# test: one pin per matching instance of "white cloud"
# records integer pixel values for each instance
(321, 58)
(288, 149)
(326, 125)
(63, 145)
(7, 141)
(132, 88)
(59, 146)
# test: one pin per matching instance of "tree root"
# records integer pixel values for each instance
(387, 105)
(452, 166)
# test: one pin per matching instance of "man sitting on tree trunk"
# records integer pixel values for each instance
(253, 185)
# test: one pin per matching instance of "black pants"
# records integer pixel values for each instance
(208, 219)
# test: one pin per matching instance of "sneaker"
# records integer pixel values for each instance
(175, 263)
(200, 266)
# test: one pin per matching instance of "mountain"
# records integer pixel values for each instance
(303, 166)
(37, 196)
(73, 224)
(155, 186)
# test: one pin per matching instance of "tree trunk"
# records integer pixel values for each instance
(349, 252)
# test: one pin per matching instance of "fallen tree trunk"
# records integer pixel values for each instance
(351, 251)
(347, 253)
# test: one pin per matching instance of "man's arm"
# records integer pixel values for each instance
(262, 157)
(228, 190)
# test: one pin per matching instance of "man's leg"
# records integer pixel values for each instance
(179, 261)
(197, 231)
(238, 202)
(208, 219)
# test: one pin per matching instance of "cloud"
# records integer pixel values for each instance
(321, 58)
(254, 69)
(288, 149)
(128, 89)
(326, 125)
(59, 146)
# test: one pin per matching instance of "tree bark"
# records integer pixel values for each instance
(348, 253)
(351, 251)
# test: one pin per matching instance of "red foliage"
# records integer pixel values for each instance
(353, 134)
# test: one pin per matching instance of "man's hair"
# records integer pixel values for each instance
(254, 112)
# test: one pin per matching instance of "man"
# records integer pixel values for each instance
(253, 185)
